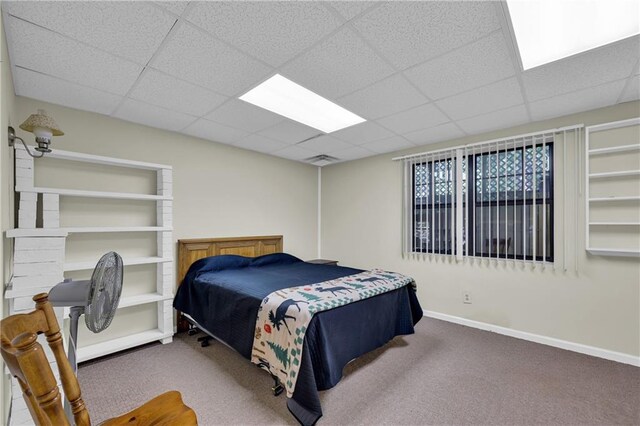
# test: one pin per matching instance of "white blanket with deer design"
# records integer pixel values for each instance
(284, 315)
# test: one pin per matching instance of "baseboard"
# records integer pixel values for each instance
(537, 338)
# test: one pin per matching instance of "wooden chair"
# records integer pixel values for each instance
(28, 364)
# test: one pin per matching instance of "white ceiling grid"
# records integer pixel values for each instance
(419, 72)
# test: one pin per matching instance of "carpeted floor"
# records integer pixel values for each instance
(444, 374)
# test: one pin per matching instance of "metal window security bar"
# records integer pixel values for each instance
(492, 199)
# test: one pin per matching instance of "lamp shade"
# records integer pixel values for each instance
(40, 121)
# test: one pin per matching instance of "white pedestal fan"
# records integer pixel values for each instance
(96, 298)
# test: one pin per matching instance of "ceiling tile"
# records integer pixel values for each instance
(324, 144)
(352, 153)
(632, 91)
(211, 131)
(339, 65)
(489, 98)
(244, 116)
(289, 132)
(350, 9)
(471, 66)
(386, 97)
(408, 33)
(49, 89)
(502, 119)
(153, 116)
(439, 133)
(176, 7)
(422, 117)
(272, 31)
(133, 30)
(607, 63)
(41, 50)
(582, 100)
(260, 143)
(382, 146)
(168, 92)
(195, 56)
(294, 153)
(362, 133)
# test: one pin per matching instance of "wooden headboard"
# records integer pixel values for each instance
(194, 249)
(191, 250)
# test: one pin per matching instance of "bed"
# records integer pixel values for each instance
(222, 283)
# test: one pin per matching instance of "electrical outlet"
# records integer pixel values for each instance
(466, 297)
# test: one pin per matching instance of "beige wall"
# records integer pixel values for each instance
(7, 104)
(218, 191)
(597, 306)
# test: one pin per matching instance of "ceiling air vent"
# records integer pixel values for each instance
(321, 160)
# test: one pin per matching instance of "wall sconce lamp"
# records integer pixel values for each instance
(41, 125)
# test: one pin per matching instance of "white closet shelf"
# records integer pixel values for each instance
(137, 300)
(614, 223)
(12, 293)
(613, 149)
(622, 173)
(94, 194)
(625, 229)
(36, 232)
(143, 299)
(81, 266)
(614, 252)
(114, 345)
(98, 229)
(109, 161)
(48, 232)
(598, 199)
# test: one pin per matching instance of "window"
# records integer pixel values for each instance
(507, 214)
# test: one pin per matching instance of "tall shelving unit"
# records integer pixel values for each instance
(612, 195)
(39, 253)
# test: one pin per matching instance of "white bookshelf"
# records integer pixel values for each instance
(107, 161)
(614, 223)
(613, 198)
(617, 174)
(39, 253)
(115, 345)
(94, 194)
(137, 300)
(613, 252)
(611, 149)
(83, 266)
(39, 232)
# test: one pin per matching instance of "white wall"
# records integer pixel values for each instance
(7, 104)
(597, 306)
(218, 191)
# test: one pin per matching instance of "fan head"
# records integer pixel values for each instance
(104, 293)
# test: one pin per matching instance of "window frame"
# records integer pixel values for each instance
(470, 204)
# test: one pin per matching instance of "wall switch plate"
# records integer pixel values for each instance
(466, 297)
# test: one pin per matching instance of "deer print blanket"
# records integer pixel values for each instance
(284, 316)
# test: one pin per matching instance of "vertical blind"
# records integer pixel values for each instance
(492, 199)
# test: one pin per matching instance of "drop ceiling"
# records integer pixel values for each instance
(419, 72)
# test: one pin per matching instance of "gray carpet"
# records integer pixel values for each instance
(444, 374)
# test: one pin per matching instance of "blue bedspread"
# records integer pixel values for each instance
(223, 294)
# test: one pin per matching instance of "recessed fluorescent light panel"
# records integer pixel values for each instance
(284, 97)
(548, 30)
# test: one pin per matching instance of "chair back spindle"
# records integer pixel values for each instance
(27, 361)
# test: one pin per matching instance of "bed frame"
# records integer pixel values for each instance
(194, 249)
